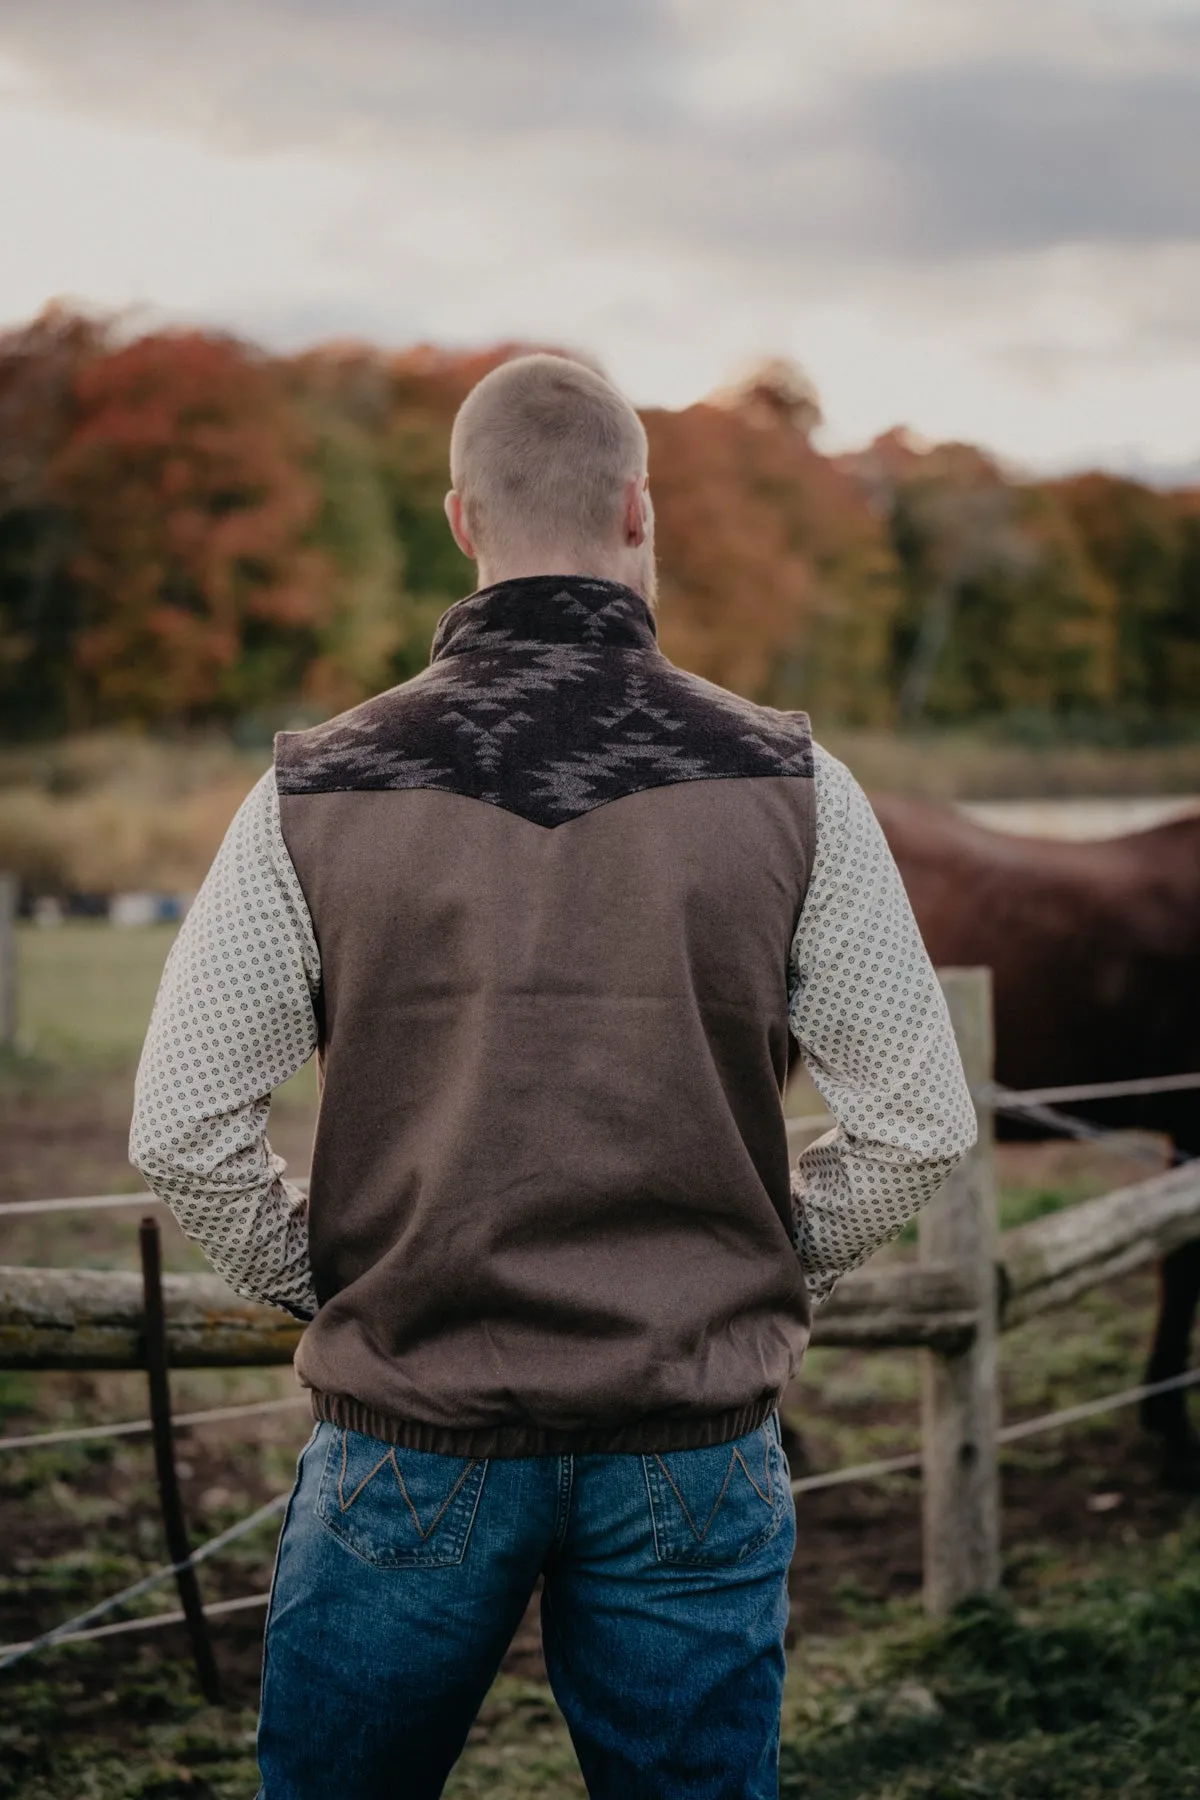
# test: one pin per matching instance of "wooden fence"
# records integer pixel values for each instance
(967, 1287)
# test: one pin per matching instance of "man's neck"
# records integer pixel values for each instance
(525, 568)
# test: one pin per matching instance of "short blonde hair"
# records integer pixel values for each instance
(540, 453)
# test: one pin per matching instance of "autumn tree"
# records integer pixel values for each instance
(340, 391)
(191, 531)
(1183, 620)
(193, 506)
(401, 408)
(776, 578)
(1002, 613)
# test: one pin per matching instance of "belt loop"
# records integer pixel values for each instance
(566, 1483)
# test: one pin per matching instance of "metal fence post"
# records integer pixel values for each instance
(8, 961)
(150, 1243)
(960, 1400)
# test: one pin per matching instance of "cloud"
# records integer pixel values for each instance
(299, 73)
(1018, 157)
(861, 133)
(986, 218)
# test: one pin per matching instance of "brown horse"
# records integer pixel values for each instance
(1095, 953)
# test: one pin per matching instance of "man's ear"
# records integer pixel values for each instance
(637, 502)
(458, 527)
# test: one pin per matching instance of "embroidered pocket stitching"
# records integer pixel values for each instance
(423, 1532)
(768, 1498)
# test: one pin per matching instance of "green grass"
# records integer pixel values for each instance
(85, 990)
(1096, 1694)
(168, 1746)
(1020, 1206)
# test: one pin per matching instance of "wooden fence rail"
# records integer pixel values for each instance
(92, 1318)
(1053, 1260)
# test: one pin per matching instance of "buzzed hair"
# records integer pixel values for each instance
(540, 452)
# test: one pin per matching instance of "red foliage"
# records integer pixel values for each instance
(185, 475)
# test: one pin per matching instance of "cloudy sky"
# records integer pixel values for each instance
(980, 217)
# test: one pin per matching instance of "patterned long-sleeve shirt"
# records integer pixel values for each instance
(236, 1016)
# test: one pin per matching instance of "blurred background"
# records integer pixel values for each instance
(908, 292)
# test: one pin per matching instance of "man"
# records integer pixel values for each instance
(546, 912)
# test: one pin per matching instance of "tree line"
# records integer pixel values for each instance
(195, 533)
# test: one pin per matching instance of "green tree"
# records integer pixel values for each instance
(1143, 546)
(40, 365)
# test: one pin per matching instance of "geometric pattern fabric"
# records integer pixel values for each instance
(548, 697)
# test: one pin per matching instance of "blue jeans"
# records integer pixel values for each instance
(402, 1577)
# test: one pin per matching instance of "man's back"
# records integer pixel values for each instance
(554, 882)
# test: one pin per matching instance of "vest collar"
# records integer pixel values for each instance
(547, 609)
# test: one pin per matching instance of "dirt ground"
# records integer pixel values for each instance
(858, 1547)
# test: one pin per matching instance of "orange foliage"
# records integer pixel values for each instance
(776, 578)
(185, 475)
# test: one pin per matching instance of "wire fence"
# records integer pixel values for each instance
(1008, 1434)
(1030, 1106)
(213, 1609)
(81, 1203)
(1043, 1106)
(78, 1629)
(1109, 1090)
(15, 1653)
(79, 1434)
(1038, 1105)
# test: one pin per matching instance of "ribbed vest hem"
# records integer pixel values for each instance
(645, 1436)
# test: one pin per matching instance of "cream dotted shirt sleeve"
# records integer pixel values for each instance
(233, 1020)
(867, 1010)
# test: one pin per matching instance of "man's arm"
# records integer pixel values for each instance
(868, 1013)
(233, 1020)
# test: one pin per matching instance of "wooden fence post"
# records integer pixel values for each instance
(960, 1402)
(8, 961)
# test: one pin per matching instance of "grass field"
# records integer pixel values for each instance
(1083, 1681)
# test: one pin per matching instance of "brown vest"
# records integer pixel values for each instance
(554, 881)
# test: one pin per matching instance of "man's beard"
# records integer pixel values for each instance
(647, 581)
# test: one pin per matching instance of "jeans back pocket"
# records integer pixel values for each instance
(395, 1508)
(720, 1505)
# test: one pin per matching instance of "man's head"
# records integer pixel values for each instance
(548, 463)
